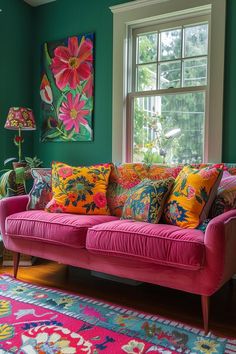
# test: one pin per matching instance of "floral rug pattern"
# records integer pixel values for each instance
(34, 320)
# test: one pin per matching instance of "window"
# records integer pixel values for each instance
(168, 95)
(168, 73)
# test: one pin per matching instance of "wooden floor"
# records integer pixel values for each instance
(157, 300)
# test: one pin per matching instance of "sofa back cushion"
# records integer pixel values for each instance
(80, 190)
(192, 196)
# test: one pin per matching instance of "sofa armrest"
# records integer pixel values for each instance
(220, 245)
(10, 206)
(217, 227)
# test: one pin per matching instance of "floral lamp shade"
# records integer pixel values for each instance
(20, 118)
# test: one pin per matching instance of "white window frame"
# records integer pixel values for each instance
(140, 12)
(133, 92)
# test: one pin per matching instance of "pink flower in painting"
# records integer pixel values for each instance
(100, 200)
(45, 90)
(72, 112)
(88, 88)
(65, 172)
(72, 64)
(190, 192)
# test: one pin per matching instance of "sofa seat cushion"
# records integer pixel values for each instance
(63, 229)
(154, 243)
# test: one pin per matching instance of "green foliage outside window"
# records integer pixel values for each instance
(155, 116)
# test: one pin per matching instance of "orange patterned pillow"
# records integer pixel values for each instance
(80, 190)
(192, 195)
(157, 172)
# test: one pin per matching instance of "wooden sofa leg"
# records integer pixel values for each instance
(205, 311)
(16, 261)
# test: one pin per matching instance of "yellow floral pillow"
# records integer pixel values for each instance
(80, 190)
(192, 195)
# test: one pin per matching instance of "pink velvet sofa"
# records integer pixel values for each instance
(185, 259)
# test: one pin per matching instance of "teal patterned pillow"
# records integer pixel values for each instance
(146, 200)
(41, 192)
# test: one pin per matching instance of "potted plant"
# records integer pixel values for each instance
(12, 181)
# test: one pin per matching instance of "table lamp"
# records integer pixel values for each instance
(20, 118)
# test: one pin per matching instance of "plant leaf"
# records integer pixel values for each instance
(10, 159)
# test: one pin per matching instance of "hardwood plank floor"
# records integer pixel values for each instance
(149, 298)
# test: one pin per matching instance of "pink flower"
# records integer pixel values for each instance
(100, 200)
(72, 113)
(190, 192)
(88, 88)
(65, 172)
(53, 207)
(206, 173)
(72, 64)
(45, 90)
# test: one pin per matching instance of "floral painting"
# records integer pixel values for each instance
(66, 89)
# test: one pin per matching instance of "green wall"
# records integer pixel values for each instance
(58, 20)
(229, 123)
(15, 70)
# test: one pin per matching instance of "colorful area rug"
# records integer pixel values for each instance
(34, 320)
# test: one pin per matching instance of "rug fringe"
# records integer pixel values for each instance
(230, 346)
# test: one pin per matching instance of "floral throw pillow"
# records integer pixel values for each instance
(192, 196)
(226, 195)
(123, 177)
(145, 201)
(41, 192)
(80, 190)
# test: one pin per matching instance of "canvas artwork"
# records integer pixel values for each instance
(66, 89)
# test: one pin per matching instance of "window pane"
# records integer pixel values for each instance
(196, 40)
(170, 74)
(179, 115)
(146, 77)
(195, 72)
(147, 48)
(170, 44)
